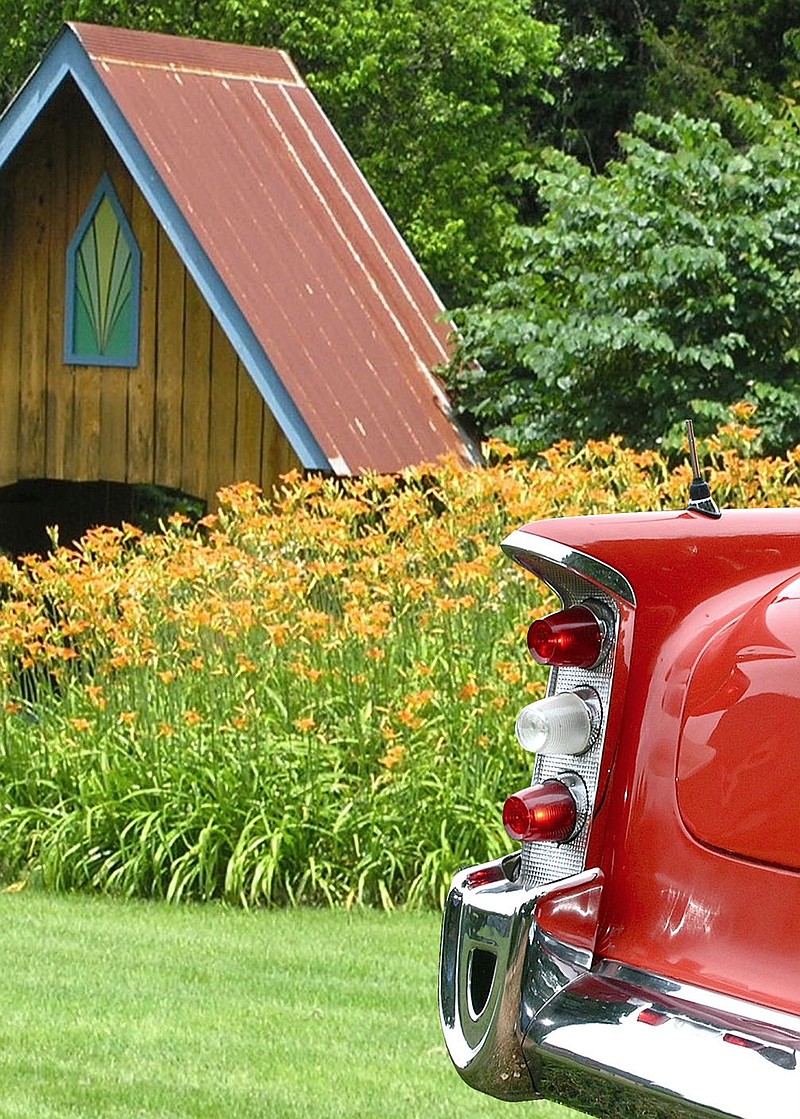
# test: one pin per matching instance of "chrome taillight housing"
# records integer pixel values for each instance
(566, 730)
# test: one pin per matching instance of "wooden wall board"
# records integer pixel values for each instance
(34, 262)
(64, 217)
(10, 317)
(249, 427)
(277, 456)
(169, 364)
(270, 452)
(85, 456)
(222, 426)
(114, 383)
(142, 380)
(286, 460)
(196, 416)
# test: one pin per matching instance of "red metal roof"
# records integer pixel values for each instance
(344, 314)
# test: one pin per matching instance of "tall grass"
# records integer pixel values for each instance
(310, 700)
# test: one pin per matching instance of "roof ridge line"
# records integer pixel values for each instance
(202, 71)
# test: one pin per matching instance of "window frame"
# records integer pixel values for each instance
(130, 359)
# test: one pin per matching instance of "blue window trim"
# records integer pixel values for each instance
(130, 360)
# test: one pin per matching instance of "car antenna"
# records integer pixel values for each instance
(700, 499)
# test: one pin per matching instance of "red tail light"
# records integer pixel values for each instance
(572, 638)
(542, 812)
(742, 1042)
(486, 875)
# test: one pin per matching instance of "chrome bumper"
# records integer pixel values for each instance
(526, 1015)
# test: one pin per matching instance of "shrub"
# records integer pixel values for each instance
(664, 287)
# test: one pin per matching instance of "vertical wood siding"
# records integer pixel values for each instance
(188, 417)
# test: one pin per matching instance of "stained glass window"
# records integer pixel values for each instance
(103, 272)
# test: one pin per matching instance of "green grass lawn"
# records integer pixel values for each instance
(114, 1009)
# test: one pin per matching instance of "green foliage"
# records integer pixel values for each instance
(745, 47)
(673, 278)
(602, 73)
(661, 56)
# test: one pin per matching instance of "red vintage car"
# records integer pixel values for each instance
(638, 955)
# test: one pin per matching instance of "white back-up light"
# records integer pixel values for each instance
(560, 724)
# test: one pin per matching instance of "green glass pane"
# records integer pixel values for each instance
(83, 336)
(104, 281)
(119, 341)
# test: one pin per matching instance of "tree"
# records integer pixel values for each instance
(664, 288)
(604, 66)
(663, 56)
(432, 98)
(747, 47)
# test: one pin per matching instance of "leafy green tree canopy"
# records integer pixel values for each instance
(665, 288)
(747, 47)
(661, 56)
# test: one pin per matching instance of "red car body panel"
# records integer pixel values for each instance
(695, 834)
(739, 752)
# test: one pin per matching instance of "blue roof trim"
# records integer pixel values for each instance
(67, 57)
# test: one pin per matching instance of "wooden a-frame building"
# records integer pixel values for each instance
(197, 286)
